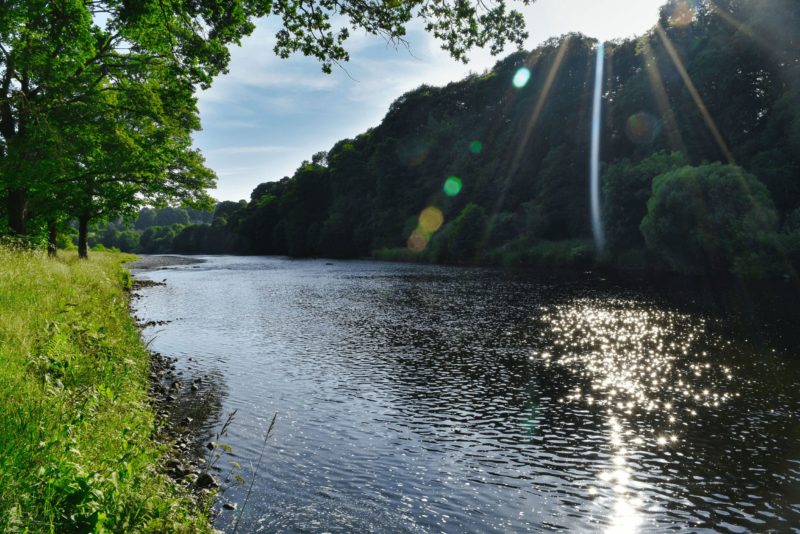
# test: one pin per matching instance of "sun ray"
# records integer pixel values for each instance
(673, 54)
(739, 26)
(662, 100)
(563, 47)
(540, 102)
(594, 163)
(698, 100)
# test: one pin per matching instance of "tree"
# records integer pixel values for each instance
(171, 215)
(522, 152)
(54, 58)
(626, 189)
(466, 236)
(117, 161)
(711, 218)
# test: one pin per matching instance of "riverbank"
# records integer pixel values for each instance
(78, 451)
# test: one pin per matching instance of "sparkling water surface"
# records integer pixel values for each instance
(438, 399)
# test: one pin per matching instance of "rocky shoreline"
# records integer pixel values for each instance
(185, 465)
(186, 462)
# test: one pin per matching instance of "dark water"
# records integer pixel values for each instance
(427, 399)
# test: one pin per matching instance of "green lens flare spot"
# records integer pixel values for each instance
(452, 186)
(475, 147)
(521, 77)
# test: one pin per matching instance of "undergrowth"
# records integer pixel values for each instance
(77, 452)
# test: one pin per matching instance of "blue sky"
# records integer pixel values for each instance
(268, 114)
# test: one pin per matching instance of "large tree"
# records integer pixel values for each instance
(712, 218)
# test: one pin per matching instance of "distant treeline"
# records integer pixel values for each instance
(700, 139)
(151, 231)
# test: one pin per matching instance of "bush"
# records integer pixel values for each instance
(712, 218)
(467, 235)
(571, 254)
(626, 188)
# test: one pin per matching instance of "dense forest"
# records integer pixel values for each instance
(700, 150)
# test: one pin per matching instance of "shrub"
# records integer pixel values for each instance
(712, 218)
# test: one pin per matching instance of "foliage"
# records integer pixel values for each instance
(711, 218)
(626, 189)
(76, 451)
(467, 234)
(521, 154)
(571, 254)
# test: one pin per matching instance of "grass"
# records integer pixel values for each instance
(77, 452)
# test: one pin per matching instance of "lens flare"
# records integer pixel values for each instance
(682, 14)
(414, 152)
(597, 223)
(452, 186)
(698, 100)
(417, 241)
(642, 128)
(430, 219)
(475, 147)
(521, 77)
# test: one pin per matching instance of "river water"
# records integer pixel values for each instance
(437, 399)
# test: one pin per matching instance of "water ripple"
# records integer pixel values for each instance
(427, 399)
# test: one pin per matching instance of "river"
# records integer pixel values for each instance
(415, 398)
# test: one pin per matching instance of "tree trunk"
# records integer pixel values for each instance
(52, 236)
(18, 211)
(83, 236)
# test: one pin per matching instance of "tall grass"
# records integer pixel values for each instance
(76, 446)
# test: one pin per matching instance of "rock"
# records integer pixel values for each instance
(206, 481)
(229, 505)
(174, 463)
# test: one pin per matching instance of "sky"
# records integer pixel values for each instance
(267, 115)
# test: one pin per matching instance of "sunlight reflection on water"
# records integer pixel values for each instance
(632, 360)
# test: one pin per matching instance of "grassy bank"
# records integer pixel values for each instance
(76, 446)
